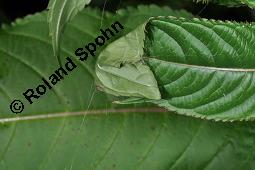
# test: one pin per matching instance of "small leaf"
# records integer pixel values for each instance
(60, 12)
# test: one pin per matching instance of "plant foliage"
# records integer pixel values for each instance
(201, 68)
(60, 12)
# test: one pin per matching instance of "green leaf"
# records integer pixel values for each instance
(75, 127)
(125, 139)
(203, 68)
(60, 12)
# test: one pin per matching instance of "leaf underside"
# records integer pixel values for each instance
(60, 12)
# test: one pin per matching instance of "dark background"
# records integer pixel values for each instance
(12, 9)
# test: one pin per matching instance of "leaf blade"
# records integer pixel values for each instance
(59, 14)
(210, 75)
(126, 139)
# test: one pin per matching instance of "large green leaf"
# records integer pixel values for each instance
(124, 140)
(76, 127)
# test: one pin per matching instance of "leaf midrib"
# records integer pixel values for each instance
(203, 67)
(89, 112)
